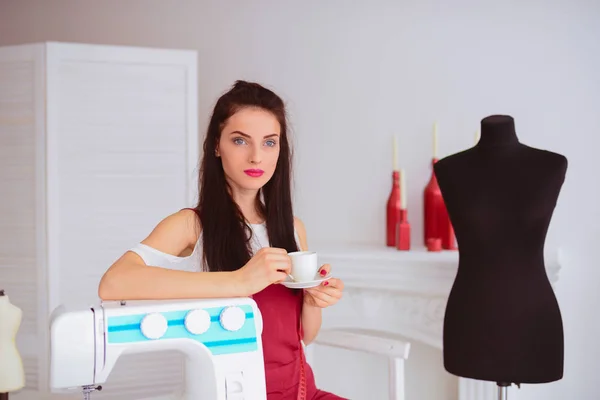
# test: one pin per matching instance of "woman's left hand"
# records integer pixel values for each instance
(327, 293)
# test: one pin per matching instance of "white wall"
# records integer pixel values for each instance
(356, 74)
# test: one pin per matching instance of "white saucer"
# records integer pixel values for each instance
(289, 283)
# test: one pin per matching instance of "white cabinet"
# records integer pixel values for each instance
(97, 144)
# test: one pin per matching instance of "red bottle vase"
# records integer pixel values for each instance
(437, 224)
(433, 209)
(447, 230)
(403, 241)
(393, 211)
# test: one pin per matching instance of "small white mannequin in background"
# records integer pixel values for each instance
(12, 374)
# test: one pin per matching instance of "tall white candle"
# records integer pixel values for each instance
(395, 150)
(403, 189)
(435, 140)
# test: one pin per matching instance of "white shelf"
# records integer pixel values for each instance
(380, 267)
(387, 254)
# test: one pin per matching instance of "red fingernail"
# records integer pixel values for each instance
(323, 272)
(325, 283)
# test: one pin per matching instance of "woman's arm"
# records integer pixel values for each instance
(129, 278)
(312, 316)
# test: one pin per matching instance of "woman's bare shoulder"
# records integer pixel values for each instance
(301, 230)
(175, 233)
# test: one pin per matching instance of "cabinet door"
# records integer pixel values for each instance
(22, 190)
(122, 153)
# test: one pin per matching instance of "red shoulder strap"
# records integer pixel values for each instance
(302, 384)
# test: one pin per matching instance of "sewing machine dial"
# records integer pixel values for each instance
(154, 326)
(197, 321)
(232, 318)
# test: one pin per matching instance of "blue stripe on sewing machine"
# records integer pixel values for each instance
(126, 329)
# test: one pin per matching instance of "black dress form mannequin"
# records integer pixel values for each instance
(502, 320)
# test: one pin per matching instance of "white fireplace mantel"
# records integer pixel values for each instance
(402, 292)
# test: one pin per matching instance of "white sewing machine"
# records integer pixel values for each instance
(221, 339)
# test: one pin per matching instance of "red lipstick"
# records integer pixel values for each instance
(255, 173)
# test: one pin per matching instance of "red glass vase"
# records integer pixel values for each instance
(447, 231)
(393, 211)
(403, 238)
(433, 209)
(437, 225)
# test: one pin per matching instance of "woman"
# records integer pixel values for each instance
(235, 241)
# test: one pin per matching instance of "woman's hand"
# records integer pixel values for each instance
(327, 293)
(269, 265)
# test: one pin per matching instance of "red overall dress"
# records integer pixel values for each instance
(288, 375)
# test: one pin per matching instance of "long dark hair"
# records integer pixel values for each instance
(225, 233)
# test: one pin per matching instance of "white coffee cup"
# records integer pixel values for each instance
(304, 265)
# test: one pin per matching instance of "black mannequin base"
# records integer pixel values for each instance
(503, 389)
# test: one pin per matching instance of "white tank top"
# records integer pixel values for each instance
(193, 262)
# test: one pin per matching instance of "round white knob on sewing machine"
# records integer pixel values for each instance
(232, 318)
(154, 326)
(197, 321)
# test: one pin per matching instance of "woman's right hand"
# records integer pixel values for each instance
(269, 265)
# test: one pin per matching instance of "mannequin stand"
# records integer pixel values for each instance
(503, 390)
(3, 396)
